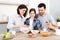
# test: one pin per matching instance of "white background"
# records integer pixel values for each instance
(52, 6)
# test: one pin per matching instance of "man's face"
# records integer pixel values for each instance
(41, 11)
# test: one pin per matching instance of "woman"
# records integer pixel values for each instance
(17, 21)
(32, 22)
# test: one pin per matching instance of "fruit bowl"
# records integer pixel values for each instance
(7, 36)
(12, 36)
(45, 34)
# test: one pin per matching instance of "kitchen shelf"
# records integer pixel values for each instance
(10, 3)
(3, 22)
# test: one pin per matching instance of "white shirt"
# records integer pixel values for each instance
(31, 24)
(15, 20)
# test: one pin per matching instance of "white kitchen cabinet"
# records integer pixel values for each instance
(3, 27)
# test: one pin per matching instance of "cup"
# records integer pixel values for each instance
(57, 32)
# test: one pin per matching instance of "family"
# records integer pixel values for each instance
(35, 21)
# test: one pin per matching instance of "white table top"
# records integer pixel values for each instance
(38, 37)
(21, 36)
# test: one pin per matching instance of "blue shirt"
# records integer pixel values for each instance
(36, 23)
(47, 17)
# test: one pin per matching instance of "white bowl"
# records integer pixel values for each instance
(34, 31)
(25, 30)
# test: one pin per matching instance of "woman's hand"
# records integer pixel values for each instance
(16, 26)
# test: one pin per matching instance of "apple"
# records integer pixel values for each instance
(3, 35)
(7, 35)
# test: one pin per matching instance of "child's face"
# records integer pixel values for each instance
(32, 14)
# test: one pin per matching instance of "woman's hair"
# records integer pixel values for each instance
(32, 9)
(22, 6)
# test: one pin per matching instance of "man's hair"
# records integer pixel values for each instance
(42, 5)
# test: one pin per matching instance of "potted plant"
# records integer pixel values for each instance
(58, 21)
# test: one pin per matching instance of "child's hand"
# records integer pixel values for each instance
(24, 26)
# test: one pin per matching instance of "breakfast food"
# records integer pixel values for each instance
(45, 34)
(25, 31)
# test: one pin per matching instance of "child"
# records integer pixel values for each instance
(31, 22)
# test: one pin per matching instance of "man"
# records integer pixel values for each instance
(47, 20)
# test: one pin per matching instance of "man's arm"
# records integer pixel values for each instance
(52, 26)
(51, 23)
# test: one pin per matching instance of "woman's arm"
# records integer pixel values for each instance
(11, 23)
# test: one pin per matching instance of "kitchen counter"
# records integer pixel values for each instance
(21, 36)
(3, 22)
(3, 26)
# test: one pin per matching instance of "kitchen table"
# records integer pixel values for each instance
(21, 36)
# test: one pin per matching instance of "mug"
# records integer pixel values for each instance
(57, 32)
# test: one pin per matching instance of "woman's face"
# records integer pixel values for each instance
(22, 11)
(32, 14)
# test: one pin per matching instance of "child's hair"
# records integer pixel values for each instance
(32, 9)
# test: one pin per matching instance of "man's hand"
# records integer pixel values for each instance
(48, 24)
(51, 26)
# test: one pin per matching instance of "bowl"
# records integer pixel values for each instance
(45, 34)
(7, 36)
(25, 31)
(35, 31)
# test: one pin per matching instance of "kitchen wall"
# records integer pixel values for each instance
(8, 7)
(55, 8)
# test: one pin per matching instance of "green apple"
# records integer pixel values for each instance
(7, 35)
(3, 35)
